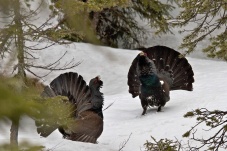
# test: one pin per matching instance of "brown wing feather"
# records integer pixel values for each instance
(86, 128)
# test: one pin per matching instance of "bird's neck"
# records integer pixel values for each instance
(97, 101)
(150, 80)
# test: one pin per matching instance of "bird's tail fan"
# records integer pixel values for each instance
(171, 66)
(73, 86)
(70, 85)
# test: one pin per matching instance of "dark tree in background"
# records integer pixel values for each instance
(116, 24)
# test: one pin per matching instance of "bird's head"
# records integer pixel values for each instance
(143, 59)
(96, 83)
(142, 53)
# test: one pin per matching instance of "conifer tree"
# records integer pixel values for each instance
(20, 36)
(114, 22)
(208, 22)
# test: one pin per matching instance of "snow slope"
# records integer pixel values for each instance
(124, 116)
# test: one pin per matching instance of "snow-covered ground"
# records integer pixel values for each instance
(123, 118)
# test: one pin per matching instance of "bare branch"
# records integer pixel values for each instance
(53, 66)
(216, 120)
(123, 144)
(42, 48)
(108, 106)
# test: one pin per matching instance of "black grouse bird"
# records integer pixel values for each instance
(155, 72)
(87, 102)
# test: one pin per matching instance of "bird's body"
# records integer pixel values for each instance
(87, 101)
(155, 72)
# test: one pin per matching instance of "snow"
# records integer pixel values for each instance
(123, 119)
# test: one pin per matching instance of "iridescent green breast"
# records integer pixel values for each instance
(149, 82)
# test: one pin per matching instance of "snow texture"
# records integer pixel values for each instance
(124, 116)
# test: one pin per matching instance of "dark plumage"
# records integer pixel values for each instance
(155, 72)
(87, 101)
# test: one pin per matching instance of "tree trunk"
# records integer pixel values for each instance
(19, 42)
(14, 134)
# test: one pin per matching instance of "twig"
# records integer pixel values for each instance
(108, 106)
(123, 144)
(54, 147)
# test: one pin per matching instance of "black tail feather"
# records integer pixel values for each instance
(69, 85)
(48, 92)
(177, 68)
(133, 79)
(169, 58)
(75, 88)
(85, 124)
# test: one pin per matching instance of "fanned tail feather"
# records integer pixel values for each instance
(75, 88)
(182, 72)
(133, 79)
(171, 66)
(72, 86)
(45, 127)
(87, 125)
(48, 92)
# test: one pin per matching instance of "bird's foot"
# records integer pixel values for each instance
(159, 109)
(144, 111)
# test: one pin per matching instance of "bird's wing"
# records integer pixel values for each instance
(86, 128)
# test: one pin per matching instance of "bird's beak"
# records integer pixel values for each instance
(98, 78)
(142, 54)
